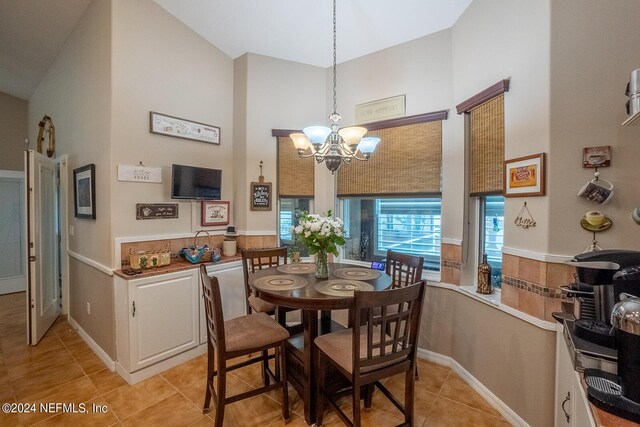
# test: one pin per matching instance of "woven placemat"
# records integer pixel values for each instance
(356, 273)
(342, 287)
(297, 268)
(279, 282)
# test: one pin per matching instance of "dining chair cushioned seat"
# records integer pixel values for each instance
(258, 305)
(339, 347)
(254, 330)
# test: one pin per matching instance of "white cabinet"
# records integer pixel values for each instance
(571, 405)
(157, 318)
(231, 280)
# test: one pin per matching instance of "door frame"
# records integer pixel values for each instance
(63, 209)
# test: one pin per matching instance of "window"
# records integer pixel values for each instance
(492, 235)
(290, 211)
(374, 225)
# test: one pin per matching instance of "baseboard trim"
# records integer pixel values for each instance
(473, 382)
(148, 372)
(110, 363)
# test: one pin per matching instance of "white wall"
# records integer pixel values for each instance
(595, 46)
(277, 94)
(161, 65)
(76, 94)
(13, 131)
(494, 40)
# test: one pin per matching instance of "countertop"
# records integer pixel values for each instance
(177, 264)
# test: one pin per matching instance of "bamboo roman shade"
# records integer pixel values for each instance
(407, 162)
(487, 147)
(295, 175)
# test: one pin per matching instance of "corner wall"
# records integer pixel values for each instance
(595, 46)
(76, 94)
(13, 131)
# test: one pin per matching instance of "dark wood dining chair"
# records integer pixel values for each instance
(242, 336)
(368, 353)
(404, 269)
(258, 259)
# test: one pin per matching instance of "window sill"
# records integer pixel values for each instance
(493, 300)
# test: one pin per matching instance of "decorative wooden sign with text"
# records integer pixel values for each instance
(156, 210)
(139, 173)
(261, 196)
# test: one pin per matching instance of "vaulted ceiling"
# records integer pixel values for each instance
(34, 31)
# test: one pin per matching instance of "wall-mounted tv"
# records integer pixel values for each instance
(190, 182)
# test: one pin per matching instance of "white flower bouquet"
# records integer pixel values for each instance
(321, 233)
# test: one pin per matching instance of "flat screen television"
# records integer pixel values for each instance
(190, 182)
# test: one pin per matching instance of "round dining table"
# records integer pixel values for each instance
(295, 286)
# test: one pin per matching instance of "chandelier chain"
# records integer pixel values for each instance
(335, 99)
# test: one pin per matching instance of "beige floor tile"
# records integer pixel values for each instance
(456, 389)
(127, 400)
(294, 421)
(251, 374)
(23, 352)
(106, 381)
(432, 377)
(46, 379)
(187, 374)
(447, 413)
(89, 419)
(91, 363)
(196, 392)
(39, 362)
(172, 411)
(6, 392)
(9, 420)
(503, 423)
(422, 402)
(204, 422)
(254, 411)
(79, 349)
(78, 391)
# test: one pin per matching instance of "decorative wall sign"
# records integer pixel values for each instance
(84, 192)
(156, 210)
(524, 218)
(596, 157)
(215, 212)
(524, 176)
(139, 173)
(261, 194)
(182, 128)
(382, 109)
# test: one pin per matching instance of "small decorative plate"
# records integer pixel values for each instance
(297, 268)
(342, 287)
(596, 228)
(280, 282)
(356, 273)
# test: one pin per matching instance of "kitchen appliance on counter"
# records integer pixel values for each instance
(594, 294)
(633, 103)
(620, 394)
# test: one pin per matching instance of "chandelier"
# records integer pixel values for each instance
(333, 145)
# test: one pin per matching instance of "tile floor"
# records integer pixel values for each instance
(62, 368)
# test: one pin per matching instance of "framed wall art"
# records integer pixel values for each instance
(84, 192)
(596, 157)
(525, 176)
(215, 212)
(163, 124)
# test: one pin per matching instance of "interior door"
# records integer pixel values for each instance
(42, 248)
(13, 277)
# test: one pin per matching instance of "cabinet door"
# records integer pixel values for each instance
(164, 317)
(231, 283)
(564, 384)
(581, 410)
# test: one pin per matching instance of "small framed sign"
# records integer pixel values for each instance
(139, 173)
(524, 176)
(261, 196)
(181, 128)
(215, 212)
(596, 157)
(156, 210)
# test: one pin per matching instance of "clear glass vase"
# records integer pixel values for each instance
(322, 269)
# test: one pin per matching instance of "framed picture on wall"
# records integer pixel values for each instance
(215, 212)
(524, 176)
(84, 192)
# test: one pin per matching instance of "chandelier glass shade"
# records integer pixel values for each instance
(333, 145)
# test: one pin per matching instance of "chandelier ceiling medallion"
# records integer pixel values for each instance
(334, 146)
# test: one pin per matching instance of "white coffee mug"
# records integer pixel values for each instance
(597, 190)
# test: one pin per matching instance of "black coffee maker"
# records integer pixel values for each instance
(621, 394)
